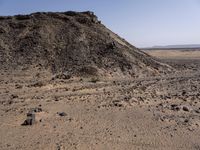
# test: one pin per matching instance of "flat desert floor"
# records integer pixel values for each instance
(157, 113)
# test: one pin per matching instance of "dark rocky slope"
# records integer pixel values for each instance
(72, 42)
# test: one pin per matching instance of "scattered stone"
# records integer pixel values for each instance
(183, 93)
(30, 120)
(13, 96)
(9, 102)
(165, 97)
(186, 120)
(58, 147)
(175, 107)
(191, 129)
(18, 86)
(64, 76)
(37, 84)
(117, 103)
(94, 79)
(62, 114)
(185, 108)
(36, 110)
(197, 111)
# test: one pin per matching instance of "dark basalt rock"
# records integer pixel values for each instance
(36, 110)
(62, 114)
(30, 119)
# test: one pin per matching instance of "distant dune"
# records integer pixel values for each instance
(175, 54)
(187, 46)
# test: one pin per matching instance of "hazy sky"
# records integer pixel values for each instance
(142, 22)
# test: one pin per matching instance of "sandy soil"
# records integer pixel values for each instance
(161, 113)
(176, 54)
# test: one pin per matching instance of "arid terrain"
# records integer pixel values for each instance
(133, 101)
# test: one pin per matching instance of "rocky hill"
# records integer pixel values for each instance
(72, 42)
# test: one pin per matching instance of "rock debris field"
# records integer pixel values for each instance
(68, 82)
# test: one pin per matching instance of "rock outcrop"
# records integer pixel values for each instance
(72, 42)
